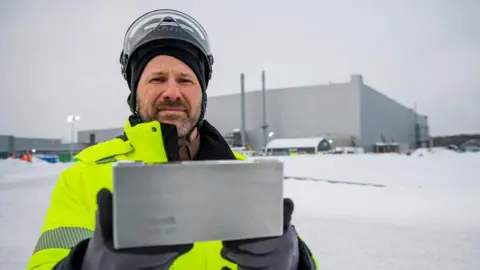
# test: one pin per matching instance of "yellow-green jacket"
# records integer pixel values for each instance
(70, 218)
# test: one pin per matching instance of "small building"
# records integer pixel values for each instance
(18, 146)
(294, 146)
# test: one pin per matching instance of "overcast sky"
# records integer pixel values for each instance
(61, 57)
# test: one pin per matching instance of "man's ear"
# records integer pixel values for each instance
(137, 103)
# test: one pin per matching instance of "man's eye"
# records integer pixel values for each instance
(157, 80)
(184, 81)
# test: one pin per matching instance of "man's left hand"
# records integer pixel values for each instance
(272, 253)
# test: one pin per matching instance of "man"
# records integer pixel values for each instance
(167, 63)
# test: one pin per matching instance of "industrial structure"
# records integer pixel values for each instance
(15, 146)
(346, 114)
(92, 137)
(11, 145)
(311, 145)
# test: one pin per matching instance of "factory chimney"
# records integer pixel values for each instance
(264, 116)
(242, 109)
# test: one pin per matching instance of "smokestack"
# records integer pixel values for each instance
(242, 109)
(264, 105)
(415, 130)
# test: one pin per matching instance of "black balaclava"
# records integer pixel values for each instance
(182, 51)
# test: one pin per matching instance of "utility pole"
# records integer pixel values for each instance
(242, 109)
(415, 129)
(264, 105)
(71, 119)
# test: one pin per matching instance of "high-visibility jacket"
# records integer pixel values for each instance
(70, 218)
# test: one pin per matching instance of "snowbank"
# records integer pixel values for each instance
(15, 169)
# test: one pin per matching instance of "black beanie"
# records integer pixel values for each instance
(180, 50)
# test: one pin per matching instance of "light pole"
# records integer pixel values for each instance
(71, 119)
(270, 137)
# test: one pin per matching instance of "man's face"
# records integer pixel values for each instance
(169, 91)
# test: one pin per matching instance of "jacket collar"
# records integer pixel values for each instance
(157, 142)
(212, 144)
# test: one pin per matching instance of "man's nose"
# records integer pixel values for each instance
(172, 90)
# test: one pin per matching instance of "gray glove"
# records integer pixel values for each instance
(272, 253)
(102, 255)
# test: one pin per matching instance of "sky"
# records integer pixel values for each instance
(61, 57)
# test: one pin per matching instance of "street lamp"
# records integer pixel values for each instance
(71, 119)
(270, 137)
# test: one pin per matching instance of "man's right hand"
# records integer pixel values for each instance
(101, 254)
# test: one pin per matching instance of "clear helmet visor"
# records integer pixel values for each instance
(166, 24)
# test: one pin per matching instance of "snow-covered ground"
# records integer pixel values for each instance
(423, 211)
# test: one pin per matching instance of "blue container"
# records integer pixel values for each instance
(49, 159)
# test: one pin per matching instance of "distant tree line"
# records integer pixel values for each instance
(454, 139)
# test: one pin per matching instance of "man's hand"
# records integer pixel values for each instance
(272, 253)
(101, 254)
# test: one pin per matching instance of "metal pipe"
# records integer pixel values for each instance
(242, 109)
(71, 119)
(72, 138)
(264, 111)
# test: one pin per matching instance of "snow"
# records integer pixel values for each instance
(426, 215)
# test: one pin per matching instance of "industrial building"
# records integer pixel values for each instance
(92, 137)
(18, 145)
(345, 114)
(348, 114)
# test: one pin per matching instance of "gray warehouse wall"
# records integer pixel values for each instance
(12, 144)
(315, 111)
(101, 135)
(7, 143)
(4, 143)
(382, 115)
(291, 112)
(27, 144)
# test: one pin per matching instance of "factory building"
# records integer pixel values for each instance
(11, 145)
(92, 137)
(348, 114)
(345, 114)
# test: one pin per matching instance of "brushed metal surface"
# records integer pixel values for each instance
(186, 202)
